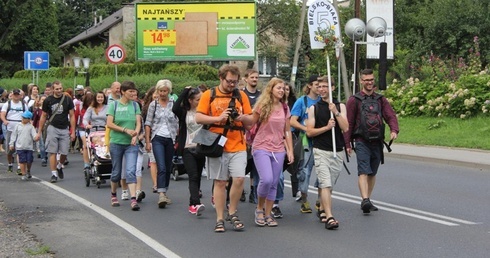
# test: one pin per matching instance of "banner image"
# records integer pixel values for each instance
(385, 10)
(195, 31)
(323, 25)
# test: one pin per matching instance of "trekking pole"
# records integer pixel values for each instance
(330, 99)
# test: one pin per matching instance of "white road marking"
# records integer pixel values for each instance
(119, 222)
(419, 214)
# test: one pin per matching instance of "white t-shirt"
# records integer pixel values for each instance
(14, 116)
(29, 102)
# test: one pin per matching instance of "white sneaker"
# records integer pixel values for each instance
(298, 196)
(23, 178)
(125, 195)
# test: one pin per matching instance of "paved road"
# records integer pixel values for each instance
(427, 209)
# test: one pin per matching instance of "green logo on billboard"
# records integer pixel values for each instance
(240, 43)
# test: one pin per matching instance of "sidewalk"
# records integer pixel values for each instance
(474, 158)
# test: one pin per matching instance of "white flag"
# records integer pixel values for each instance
(322, 18)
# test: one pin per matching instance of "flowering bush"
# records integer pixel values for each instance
(448, 89)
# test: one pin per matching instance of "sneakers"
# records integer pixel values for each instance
(125, 195)
(366, 205)
(140, 195)
(305, 207)
(54, 179)
(162, 201)
(298, 196)
(243, 198)
(19, 173)
(29, 175)
(196, 209)
(66, 162)
(10, 169)
(114, 201)
(23, 178)
(251, 197)
(44, 163)
(276, 212)
(61, 175)
(134, 205)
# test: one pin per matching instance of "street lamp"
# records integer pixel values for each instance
(78, 69)
(355, 29)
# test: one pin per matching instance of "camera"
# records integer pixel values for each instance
(234, 113)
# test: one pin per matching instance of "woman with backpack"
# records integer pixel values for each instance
(270, 146)
(161, 127)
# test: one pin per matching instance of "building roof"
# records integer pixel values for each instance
(99, 28)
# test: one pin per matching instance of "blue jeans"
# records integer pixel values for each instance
(130, 154)
(280, 189)
(305, 173)
(163, 150)
(42, 149)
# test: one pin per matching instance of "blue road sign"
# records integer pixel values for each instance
(36, 60)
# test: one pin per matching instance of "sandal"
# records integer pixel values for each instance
(322, 216)
(235, 221)
(114, 202)
(259, 221)
(331, 223)
(220, 226)
(270, 221)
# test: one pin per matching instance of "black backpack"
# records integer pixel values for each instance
(371, 126)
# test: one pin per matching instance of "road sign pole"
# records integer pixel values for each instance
(115, 67)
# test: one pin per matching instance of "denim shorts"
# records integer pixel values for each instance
(25, 156)
(368, 158)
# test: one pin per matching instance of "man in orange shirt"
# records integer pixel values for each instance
(214, 112)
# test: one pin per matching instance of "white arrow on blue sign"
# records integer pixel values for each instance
(36, 60)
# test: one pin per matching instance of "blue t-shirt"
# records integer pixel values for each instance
(300, 110)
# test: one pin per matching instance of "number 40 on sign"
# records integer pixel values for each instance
(115, 54)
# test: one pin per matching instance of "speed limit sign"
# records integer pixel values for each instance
(115, 54)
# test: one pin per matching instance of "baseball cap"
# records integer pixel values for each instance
(79, 87)
(16, 92)
(27, 114)
(313, 78)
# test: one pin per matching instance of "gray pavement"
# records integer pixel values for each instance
(70, 229)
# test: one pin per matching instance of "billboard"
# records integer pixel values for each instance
(190, 31)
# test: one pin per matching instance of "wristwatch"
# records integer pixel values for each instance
(337, 114)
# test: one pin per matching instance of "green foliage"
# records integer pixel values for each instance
(438, 124)
(44, 249)
(201, 72)
(95, 53)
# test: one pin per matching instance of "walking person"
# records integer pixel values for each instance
(124, 121)
(299, 115)
(11, 115)
(185, 110)
(368, 146)
(94, 119)
(36, 116)
(22, 140)
(273, 138)
(227, 108)
(323, 117)
(161, 127)
(58, 112)
(151, 95)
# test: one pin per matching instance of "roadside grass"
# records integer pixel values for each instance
(44, 249)
(473, 133)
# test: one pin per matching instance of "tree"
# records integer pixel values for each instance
(26, 26)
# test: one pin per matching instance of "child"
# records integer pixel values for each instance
(23, 141)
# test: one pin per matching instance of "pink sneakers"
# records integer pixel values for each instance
(196, 209)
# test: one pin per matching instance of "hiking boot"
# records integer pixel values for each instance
(276, 212)
(196, 209)
(61, 175)
(140, 195)
(54, 179)
(10, 169)
(162, 201)
(373, 208)
(366, 205)
(243, 198)
(305, 207)
(125, 195)
(19, 173)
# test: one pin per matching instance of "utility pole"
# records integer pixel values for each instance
(294, 69)
(357, 12)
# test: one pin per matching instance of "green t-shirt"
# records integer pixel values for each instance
(124, 116)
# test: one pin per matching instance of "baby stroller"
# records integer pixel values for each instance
(100, 160)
